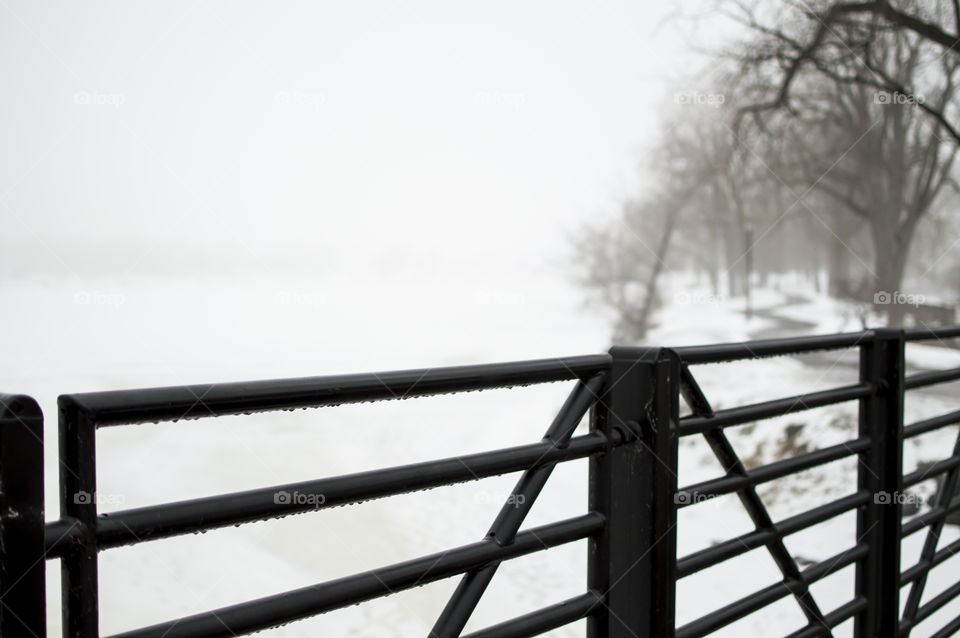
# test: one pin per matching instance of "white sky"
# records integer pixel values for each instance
(350, 134)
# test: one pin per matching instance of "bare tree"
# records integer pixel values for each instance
(823, 36)
(872, 154)
(622, 262)
(623, 259)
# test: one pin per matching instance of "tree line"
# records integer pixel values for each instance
(823, 142)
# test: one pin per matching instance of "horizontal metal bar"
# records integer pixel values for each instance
(170, 519)
(921, 568)
(583, 396)
(462, 603)
(760, 599)
(937, 332)
(930, 472)
(693, 394)
(835, 563)
(540, 621)
(771, 409)
(716, 353)
(709, 556)
(932, 515)
(772, 471)
(950, 629)
(931, 606)
(59, 536)
(834, 618)
(928, 425)
(514, 511)
(278, 609)
(923, 379)
(195, 401)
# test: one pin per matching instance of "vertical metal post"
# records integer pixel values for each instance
(881, 474)
(78, 502)
(22, 564)
(632, 563)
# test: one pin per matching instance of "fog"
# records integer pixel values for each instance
(201, 192)
(143, 138)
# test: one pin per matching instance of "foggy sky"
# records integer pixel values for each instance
(141, 137)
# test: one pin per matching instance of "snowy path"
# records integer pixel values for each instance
(782, 325)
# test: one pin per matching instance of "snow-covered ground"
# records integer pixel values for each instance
(63, 335)
(745, 382)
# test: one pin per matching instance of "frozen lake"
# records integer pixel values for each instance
(109, 333)
(60, 335)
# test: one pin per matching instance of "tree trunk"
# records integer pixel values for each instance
(890, 261)
(651, 292)
(839, 269)
(733, 256)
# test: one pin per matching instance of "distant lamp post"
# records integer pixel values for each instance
(748, 264)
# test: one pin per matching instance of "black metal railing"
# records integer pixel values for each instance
(632, 396)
